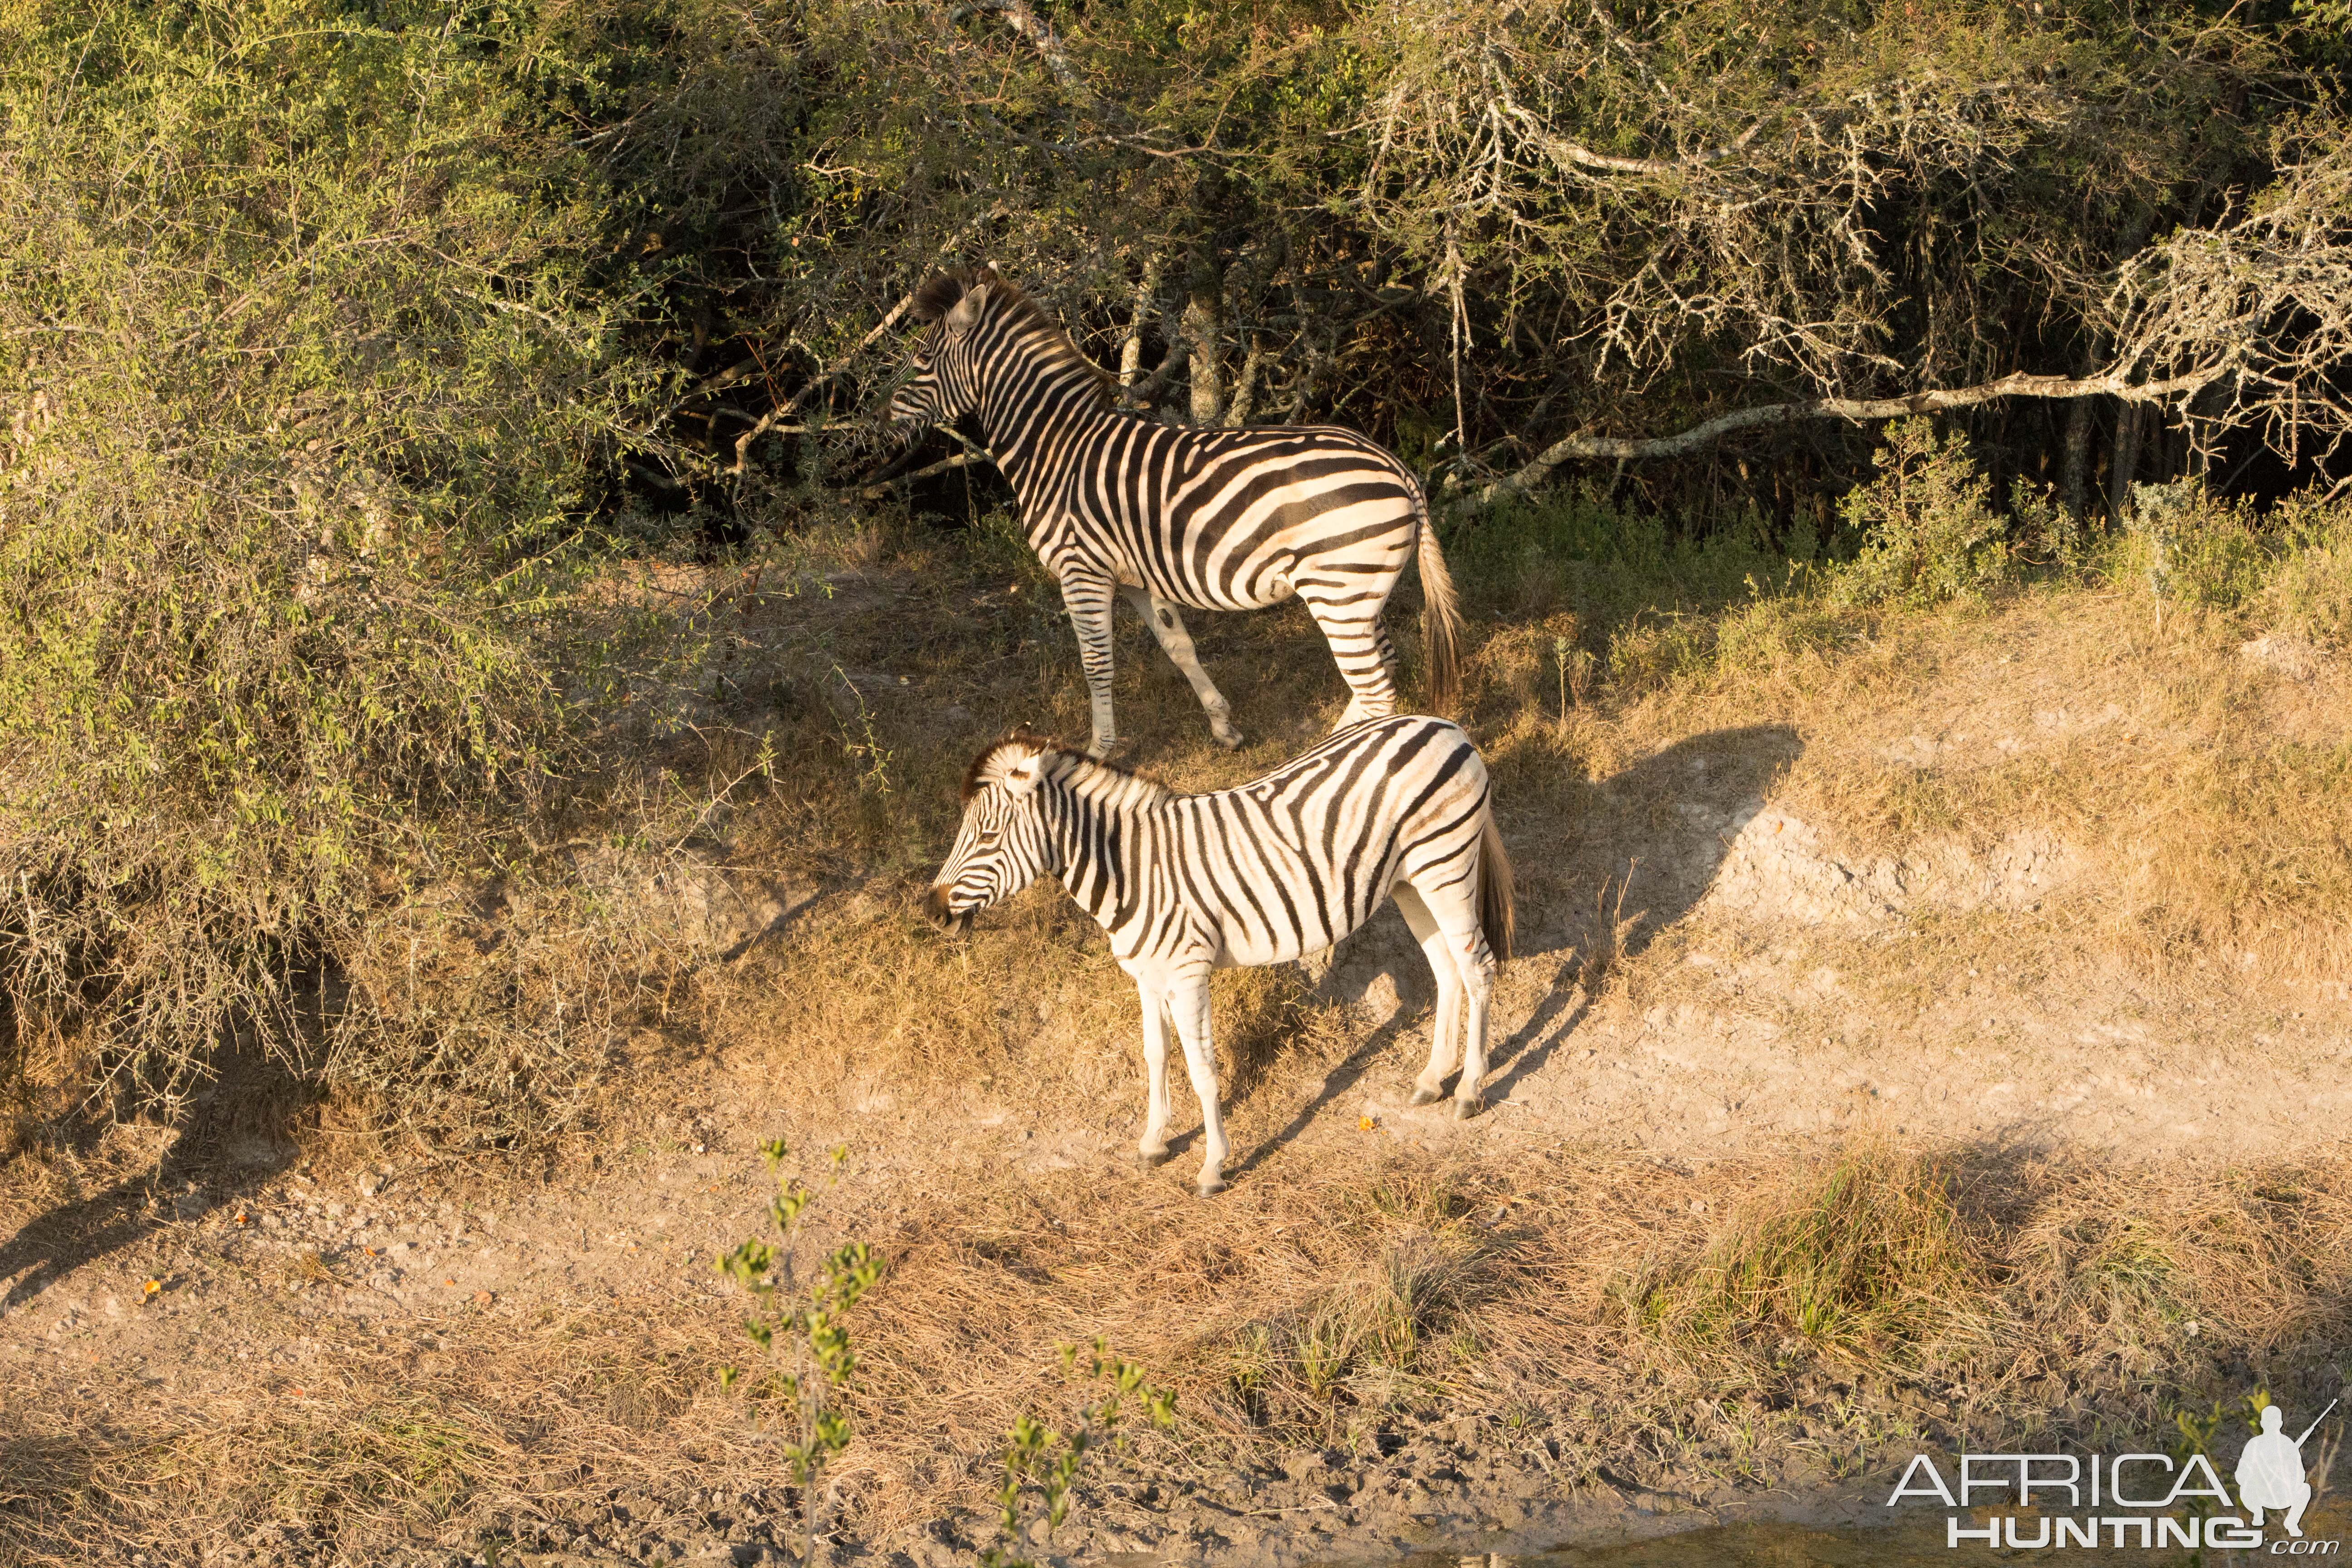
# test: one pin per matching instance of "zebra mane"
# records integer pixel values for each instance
(938, 294)
(1084, 773)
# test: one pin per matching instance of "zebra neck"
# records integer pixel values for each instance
(1101, 821)
(1029, 415)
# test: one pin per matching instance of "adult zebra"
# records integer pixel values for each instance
(1286, 865)
(1224, 520)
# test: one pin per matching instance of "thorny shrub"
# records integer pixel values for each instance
(302, 361)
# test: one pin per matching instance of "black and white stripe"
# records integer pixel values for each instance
(1286, 865)
(1225, 519)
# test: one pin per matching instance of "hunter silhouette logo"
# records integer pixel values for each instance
(2270, 1472)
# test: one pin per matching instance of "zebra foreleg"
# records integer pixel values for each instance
(1153, 1147)
(1168, 626)
(1188, 1002)
(1087, 597)
(1430, 1086)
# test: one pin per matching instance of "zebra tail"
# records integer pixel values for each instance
(1441, 618)
(1495, 911)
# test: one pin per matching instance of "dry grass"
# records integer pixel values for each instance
(1637, 1315)
(1867, 1262)
(378, 1440)
(2208, 790)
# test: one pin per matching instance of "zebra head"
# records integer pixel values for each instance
(1003, 845)
(943, 382)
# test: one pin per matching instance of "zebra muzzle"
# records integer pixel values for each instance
(935, 906)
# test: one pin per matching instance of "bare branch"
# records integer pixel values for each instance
(1563, 150)
(1141, 395)
(799, 399)
(824, 378)
(1772, 415)
(960, 460)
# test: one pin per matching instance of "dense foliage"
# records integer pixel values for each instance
(1474, 228)
(310, 374)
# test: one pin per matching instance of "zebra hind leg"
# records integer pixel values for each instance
(1087, 597)
(1430, 1086)
(1168, 626)
(1475, 960)
(1349, 618)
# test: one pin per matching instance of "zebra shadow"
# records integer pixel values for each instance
(1637, 851)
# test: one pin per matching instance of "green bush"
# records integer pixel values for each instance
(2310, 594)
(1929, 532)
(305, 362)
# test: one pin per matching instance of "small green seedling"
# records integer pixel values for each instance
(798, 1323)
(1037, 1455)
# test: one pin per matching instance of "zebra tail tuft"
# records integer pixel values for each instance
(1495, 905)
(1441, 617)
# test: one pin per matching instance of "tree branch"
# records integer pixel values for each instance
(1033, 29)
(1140, 396)
(1771, 416)
(824, 377)
(1563, 152)
(960, 460)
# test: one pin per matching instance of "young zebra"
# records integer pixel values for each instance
(1287, 865)
(1219, 519)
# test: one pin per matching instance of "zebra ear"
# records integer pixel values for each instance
(1021, 776)
(966, 314)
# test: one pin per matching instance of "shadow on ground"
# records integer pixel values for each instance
(238, 1133)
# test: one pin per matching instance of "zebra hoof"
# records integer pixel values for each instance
(1210, 1188)
(1468, 1107)
(1227, 736)
(1152, 1159)
(1423, 1097)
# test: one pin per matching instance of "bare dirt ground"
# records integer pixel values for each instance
(1920, 894)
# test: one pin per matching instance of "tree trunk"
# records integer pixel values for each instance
(2074, 465)
(1205, 321)
(2075, 458)
(1146, 298)
(2128, 421)
(1245, 385)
